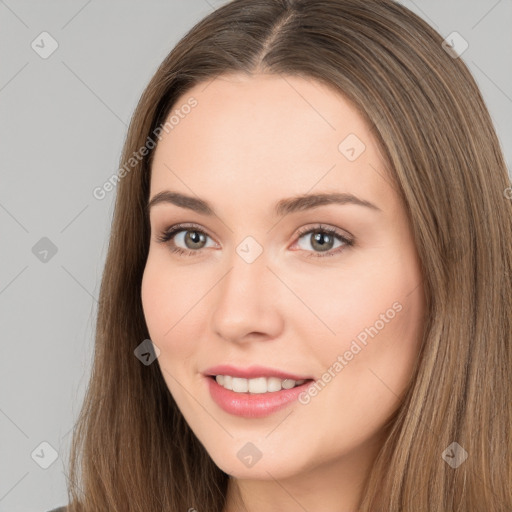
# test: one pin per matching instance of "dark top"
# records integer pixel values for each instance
(59, 509)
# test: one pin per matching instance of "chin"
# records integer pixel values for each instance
(264, 469)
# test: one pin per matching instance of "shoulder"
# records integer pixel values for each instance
(59, 509)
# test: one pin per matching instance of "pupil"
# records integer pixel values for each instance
(323, 240)
(195, 237)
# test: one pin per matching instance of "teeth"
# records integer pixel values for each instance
(257, 385)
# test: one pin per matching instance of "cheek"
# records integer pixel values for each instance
(345, 303)
(168, 308)
(372, 316)
(168, 304)
(368, 366)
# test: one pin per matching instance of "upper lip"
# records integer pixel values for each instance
(252, 372)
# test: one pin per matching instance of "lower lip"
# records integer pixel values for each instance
(253, 405)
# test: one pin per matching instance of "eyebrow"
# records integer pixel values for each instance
(282, 207)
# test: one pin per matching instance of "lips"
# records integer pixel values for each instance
(248, 405)
(252, 372)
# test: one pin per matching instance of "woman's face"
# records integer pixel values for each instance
(256, 285)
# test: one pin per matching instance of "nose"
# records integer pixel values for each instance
(247, 302)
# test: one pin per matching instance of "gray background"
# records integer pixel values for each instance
(62, 124)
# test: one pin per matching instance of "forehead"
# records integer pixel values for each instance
(267, 136)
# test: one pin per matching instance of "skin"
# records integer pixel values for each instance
(249, 143)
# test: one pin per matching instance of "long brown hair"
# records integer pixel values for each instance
(132, 450)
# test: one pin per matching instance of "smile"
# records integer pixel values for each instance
(249, 404)
(257, 385)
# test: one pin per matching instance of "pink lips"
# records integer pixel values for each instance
(252, 405)
(252, 372)
(249, 405)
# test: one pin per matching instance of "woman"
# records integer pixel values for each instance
(306, 300)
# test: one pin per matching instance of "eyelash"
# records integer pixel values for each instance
(168, 234)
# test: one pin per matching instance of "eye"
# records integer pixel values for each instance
(191, 239)
(322, 239)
